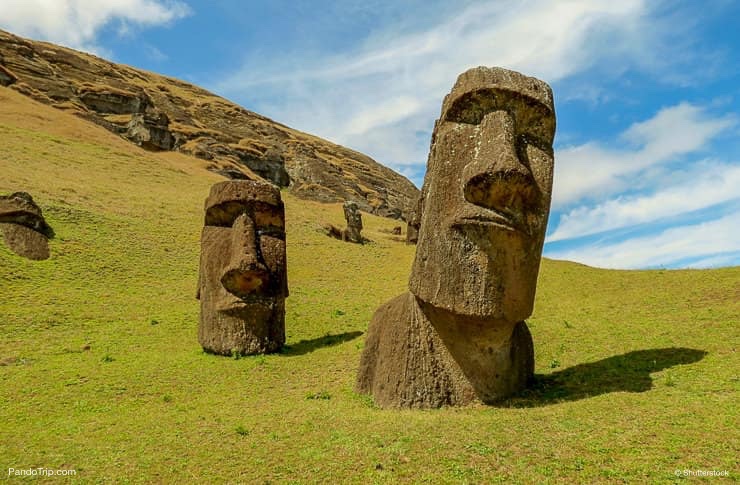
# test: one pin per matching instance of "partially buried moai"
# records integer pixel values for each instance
(354, 222)
(243, 276)
(23, 226)
(459, 334)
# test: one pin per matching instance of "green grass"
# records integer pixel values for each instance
(102, 372)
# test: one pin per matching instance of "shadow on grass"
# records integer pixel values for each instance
(628, 372)
(307, 346)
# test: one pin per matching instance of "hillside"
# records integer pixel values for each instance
(101, 372)
(161, 113)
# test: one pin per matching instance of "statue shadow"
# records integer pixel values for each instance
(308, 346)
(627, 372)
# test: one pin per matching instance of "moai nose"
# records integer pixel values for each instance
(497, 178)
(245, 275)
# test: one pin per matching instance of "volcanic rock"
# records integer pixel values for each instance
(131, 102)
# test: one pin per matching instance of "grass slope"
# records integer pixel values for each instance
(637, 370)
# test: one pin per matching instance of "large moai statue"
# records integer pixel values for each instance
(354, 222)
(243, 279)
(459, 334)
(23, 226)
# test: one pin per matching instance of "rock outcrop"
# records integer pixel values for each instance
(161, 113)
(23, 226)
(459, 333)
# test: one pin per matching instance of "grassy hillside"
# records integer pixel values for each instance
(100, 369)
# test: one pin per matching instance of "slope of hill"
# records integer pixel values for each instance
(162, 113)
(101, 372)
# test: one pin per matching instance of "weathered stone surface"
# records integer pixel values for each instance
(6, 77)
(150, 130)
(459, 334)
(354, 222)
(108, 100)
(201, 124)
(243, 275)
(23, 226)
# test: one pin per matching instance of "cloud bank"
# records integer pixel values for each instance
(77, 23)
(380, 97)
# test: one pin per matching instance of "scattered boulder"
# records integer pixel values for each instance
(243, 278)
(396, 231)
(23, 226)
(459, 334)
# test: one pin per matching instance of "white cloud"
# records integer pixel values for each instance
(343, 97)
(76, 23)
(595, 171)
(708, 240)
(705, 185)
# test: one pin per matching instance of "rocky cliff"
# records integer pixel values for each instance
(162, 113)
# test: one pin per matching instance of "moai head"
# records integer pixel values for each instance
(24, 227)
(243, 276)
(486, 196)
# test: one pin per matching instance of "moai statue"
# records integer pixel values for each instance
(414, 222)
(459, 334)
(243, 279)
(24, 227)
(354, 222)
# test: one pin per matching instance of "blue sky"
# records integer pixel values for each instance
(647, 94)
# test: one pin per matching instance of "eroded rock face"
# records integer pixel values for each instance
(6, 77)
(354, 222)
(243, 275)
(232, 139)
(459, 334)
(23, 226)
(150, 130)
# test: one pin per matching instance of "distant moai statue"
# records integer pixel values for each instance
(459, 334)
(354, 222)
(243, 278)
(23, 226)
(414, 222)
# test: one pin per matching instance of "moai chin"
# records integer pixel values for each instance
(459, 334)
(23, 226)
(354, 222)
(243, 279)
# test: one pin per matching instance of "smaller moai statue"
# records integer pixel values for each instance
(23, 226)
(414, 223)
(354, 222)
(243, 279)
